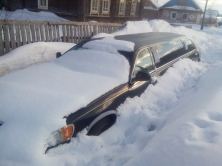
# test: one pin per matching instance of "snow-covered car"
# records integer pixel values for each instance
(85, 85)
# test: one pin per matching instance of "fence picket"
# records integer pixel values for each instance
(79, 33)
(1, 43)
(28, 33)
(42, 33)
(37, 32)
(18, 39)
(12, 36)
(63, 34)
(75, 34)
(71, 34)
(58, 35)
(46, 33)
(50, 33)
(6, 36)
(68, 34)
(32, 33)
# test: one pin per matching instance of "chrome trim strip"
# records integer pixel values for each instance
(118, 94)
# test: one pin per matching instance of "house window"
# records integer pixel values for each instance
(94, 7)
(43, 4)
(133, 8)
(173, 15)
(185, 17)
(106, 7)
(122, 7)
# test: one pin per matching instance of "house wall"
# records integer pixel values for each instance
(114, 12)
(79, 10)
(147, 13)
(192, 16)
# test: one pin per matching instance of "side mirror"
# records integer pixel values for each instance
(58, 54)
(142, 76)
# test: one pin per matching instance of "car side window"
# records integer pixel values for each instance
(143, 62)
(167, 51)
(189, 45)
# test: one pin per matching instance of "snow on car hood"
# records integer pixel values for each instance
(35, 100)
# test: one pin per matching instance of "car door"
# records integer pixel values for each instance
(143, 61)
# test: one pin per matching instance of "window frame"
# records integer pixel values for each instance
(41, 6)
(133, 8)
(91, 7)
(160, 64)
(135, 59)
(187, 16)
(122, 13)
(106, 11)
(172, 15)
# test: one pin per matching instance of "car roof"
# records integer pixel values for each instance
(143, 39)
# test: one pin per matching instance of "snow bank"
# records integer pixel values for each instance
(31, 54)
(176, 122)
(132, 27)
(28, 15)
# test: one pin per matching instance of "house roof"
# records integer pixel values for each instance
(189, 4)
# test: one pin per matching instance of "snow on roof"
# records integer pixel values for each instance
(182, 7)
(110, 45)
(189, 3)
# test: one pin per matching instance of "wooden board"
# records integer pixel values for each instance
(28, 34)
(1, 42)
(18, 38)
(42, 33)
(12, 36)
(32, 28)
(6, 37)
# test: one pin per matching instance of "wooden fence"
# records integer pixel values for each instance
(18, 33)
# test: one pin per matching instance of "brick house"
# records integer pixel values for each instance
(181, 11)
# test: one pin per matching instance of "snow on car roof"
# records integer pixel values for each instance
(109, 44)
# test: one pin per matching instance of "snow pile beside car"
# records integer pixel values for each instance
(132, 27)
(31, 54)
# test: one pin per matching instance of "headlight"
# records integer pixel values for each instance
(60, 136)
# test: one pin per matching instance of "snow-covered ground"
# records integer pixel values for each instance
(176, 122)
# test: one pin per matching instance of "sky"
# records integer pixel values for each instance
(215, 4)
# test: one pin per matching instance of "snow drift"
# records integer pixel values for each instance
(176, 122)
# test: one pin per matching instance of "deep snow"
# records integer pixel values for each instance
(176, 122)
